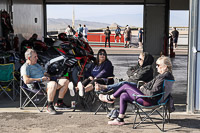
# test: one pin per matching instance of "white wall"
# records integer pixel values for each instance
(24, 14)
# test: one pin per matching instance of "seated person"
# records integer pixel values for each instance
(31, 71)
(125, 92)
(99, 72)
(32, 39)
(141, 72)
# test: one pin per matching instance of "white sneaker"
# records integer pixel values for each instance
(81, 89)
(71, 89)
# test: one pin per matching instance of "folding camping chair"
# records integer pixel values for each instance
(34, 96)
(162, 103)
(7, 80)
(104, 105)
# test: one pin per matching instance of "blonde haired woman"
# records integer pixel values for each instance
(125, 92)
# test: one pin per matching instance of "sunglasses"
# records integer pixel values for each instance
(140, 59)
(157, 65)
(102, 54)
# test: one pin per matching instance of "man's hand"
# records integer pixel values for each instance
(45, 78)
(46, 74)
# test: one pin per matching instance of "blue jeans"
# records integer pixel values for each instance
(116, 86)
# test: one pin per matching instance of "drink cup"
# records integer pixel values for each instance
(73, 103)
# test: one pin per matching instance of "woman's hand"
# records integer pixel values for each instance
(91, 78)
(141, 87)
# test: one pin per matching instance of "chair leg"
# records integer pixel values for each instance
(30, 100)
(3, 90)
(85, 104)
(20, 100)
(136, 114)
(104, 106)
(98, 108)
(163, 120)
(147, 116)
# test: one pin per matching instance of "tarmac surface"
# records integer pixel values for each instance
(13, 119)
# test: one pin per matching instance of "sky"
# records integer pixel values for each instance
(121, 14)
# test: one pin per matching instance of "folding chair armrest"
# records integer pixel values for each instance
(143, 96)
(104, 92)
(111, 77)
(140, 83)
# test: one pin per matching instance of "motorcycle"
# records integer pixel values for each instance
(80, 50)
(67, 57)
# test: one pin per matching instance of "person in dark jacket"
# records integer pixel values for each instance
(141, 72)
(99, 72)
(107, 36)
(155, 86)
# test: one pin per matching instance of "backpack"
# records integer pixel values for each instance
(113, 113)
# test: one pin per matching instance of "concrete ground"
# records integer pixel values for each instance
(13, 119)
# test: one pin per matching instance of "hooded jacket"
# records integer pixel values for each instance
(144, 72)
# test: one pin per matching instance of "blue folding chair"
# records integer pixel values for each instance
(7, 80)
(162, 103)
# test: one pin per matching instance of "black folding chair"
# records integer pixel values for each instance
(33, 96)
(162, 103)
(104, 105)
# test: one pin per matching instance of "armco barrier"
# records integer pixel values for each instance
(100, 37)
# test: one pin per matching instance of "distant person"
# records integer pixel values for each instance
(175, 35)
(127, 36)
(118, 33)
(85, 31)
(80, 31)
(140, 33)
(107, 36)
(67, 31)
(72, 31)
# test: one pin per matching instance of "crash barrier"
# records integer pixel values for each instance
(100, 37)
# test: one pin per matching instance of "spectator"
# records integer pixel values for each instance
(107, 36)
(72, 32)
(127, 36)
(125, 92)
(31, 71)
(141, 72)
(85, 31)
(99, 72)
(80, 31)
(118, 33)
(67, 31)
(32, 39)
(175, 35)
(140, 35)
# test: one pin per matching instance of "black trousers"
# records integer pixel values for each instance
(107, 39)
